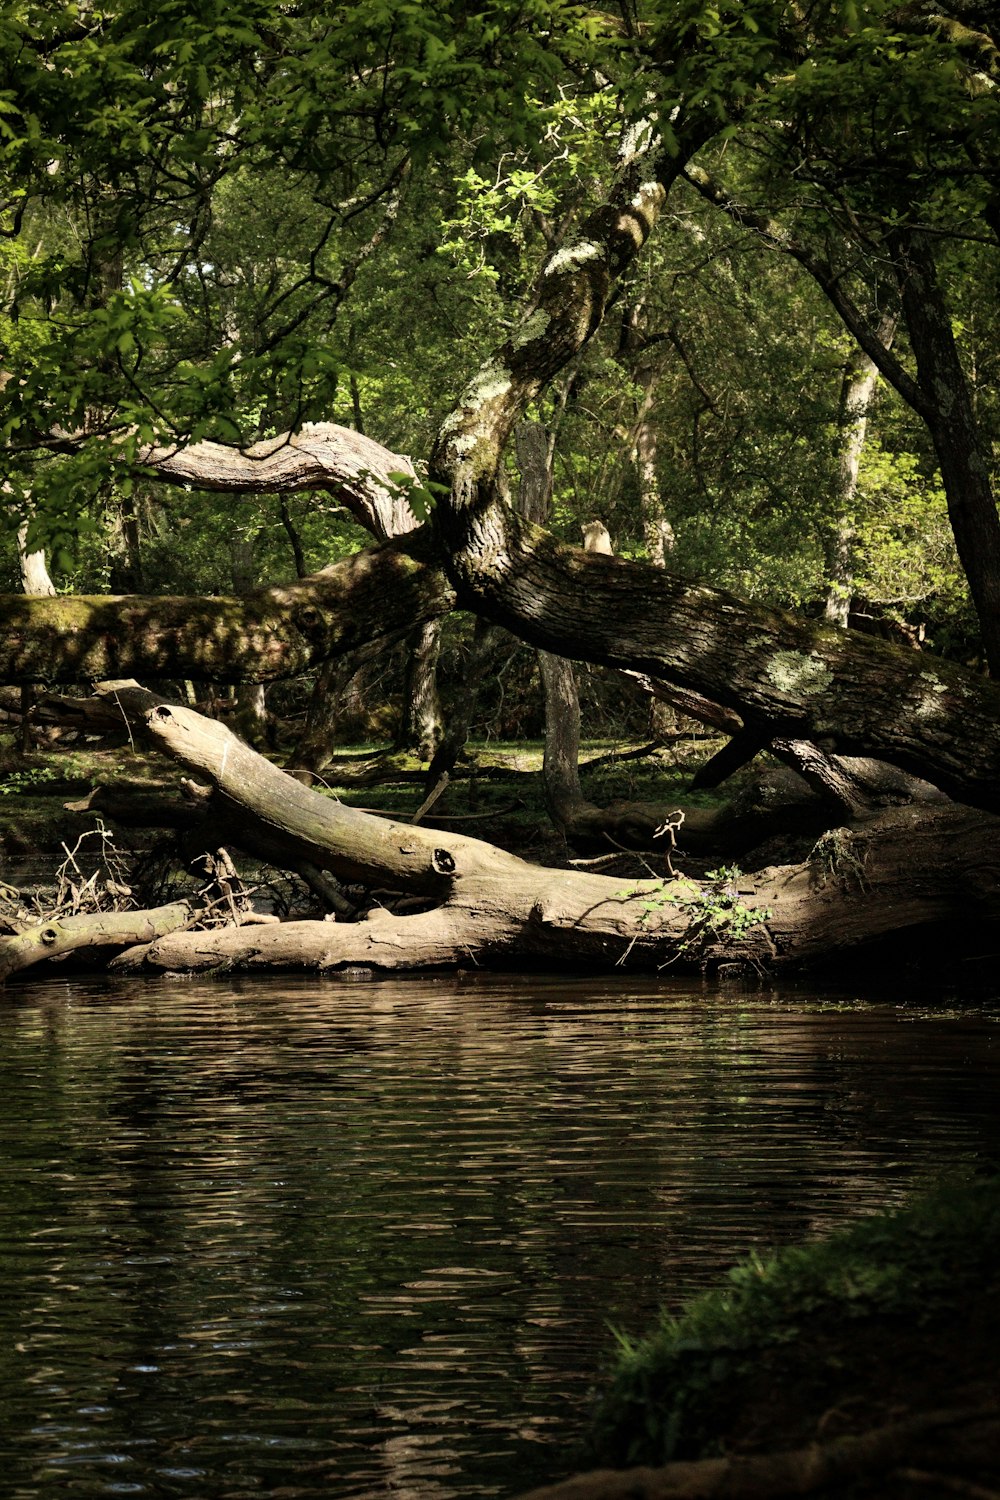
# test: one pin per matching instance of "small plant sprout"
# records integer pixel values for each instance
(715, 908)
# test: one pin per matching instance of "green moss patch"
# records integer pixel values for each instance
(899, 1309)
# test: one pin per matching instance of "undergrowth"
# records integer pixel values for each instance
(667, 1390)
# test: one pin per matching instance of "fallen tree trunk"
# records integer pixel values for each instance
(64, 935)
(273, 633)
(899, 876)
(902, 871)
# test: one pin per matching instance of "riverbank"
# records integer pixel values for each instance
(862, 1366)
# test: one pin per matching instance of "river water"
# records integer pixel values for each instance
(307, 1238)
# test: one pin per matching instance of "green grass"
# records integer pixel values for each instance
(668, 1390)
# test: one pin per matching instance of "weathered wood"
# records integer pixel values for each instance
(903, 870)
(63, 935)
(273, 809)
(320, 456)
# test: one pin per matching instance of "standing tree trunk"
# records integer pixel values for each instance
(252, 718)
(561, 757)
(421, 727)
(657, 532)
(35, 580)
(856, 395)
(959, 442)
(463, 706)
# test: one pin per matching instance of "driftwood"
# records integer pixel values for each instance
(64, 935)
(903, 870)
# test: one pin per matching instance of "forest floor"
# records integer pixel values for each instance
(495, 793)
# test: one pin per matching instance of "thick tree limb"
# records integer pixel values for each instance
(322, 456)
(273, 633)
(786, 677)
(120, 929)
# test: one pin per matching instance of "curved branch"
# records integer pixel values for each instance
(322, 456)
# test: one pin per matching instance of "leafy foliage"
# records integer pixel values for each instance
(223, 222)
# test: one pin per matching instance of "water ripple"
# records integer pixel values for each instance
(311, 1238)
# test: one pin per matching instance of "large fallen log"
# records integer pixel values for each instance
(901, 871)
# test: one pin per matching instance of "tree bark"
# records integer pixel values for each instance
(276, 632)
(322, 456)
(783, 676)
(421, 728)
(900, 871)
(65, 935)
(962, 449)
(561, 757)
(856, 395)
(463, 704)
(251, 717)
(36, 582)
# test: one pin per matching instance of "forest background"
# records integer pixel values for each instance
(220, 227)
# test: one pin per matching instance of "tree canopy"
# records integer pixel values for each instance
(683, 237)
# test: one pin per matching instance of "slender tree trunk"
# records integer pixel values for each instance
(337, 695)
(252, 718)
(561, 757)
(958, 438)
(32, 566)
(462, 709)
(421, 727)
(657, 532)
(316, 742)
(856, 395)
(124, 543)
(35, 581)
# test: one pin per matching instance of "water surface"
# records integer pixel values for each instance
(312, 1238)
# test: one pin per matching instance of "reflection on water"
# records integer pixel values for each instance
(316, 1238)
